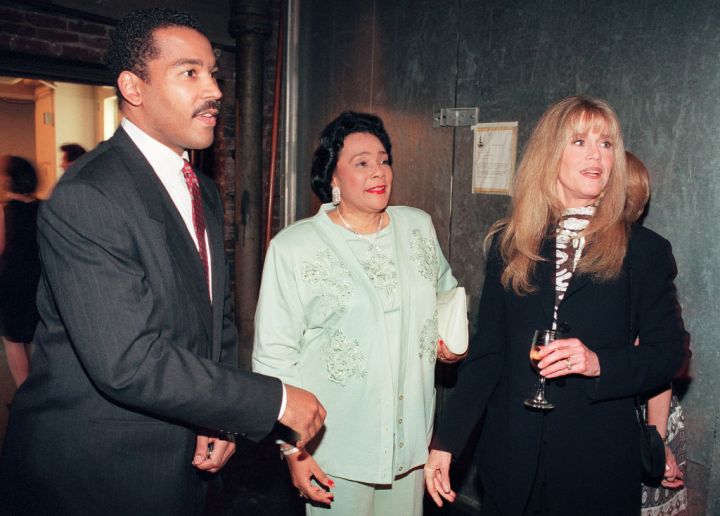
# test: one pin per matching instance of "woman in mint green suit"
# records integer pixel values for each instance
(347, 311)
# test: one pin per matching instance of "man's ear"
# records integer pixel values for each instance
(129, 86)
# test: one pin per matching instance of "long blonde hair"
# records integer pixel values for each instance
(536, 207)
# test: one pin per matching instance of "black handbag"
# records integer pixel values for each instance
(652, 448)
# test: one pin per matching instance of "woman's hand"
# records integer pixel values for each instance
(446, 356)
(672, 478)
(303, 469)
(437, 477)
(563, 357)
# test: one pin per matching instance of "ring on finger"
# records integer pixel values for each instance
(569, 364)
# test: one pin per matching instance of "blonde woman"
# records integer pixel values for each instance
(562, 259)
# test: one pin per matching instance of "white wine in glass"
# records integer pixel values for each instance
(540, 338)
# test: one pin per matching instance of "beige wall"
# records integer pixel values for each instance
(105, 122)
(45, 154)
(76, 112)
(17, 129)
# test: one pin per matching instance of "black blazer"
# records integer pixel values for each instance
(590, 440)
(130, 358)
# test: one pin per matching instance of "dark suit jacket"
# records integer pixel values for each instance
(131, 358)
(590, 440)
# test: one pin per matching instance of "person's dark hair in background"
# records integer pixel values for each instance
(71, 152)
(331, 143)
(23, 179)
(19, 262)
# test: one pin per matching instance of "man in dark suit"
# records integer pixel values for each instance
(134, 391)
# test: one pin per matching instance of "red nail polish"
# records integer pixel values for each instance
(331, 483)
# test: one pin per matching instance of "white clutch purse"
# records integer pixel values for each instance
(452, 319)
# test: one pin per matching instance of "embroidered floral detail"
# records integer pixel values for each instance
(344, 359)
(329, 278)
(428, 338)
(381, 270)
(423, 254)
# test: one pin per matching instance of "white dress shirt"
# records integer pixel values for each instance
(168, 167)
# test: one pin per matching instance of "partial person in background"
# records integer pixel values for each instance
(347, 310)
(19, 262)
(70, 152)
(134, 396)
(561, 260)
(663, 409)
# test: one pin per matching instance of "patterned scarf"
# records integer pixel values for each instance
(569, 245)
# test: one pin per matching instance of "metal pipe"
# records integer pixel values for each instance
(249, 25)
(274, 137)
(289, 152)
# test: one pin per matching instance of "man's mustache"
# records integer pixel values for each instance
(207, 106)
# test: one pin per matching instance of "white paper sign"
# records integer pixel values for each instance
(494, 149)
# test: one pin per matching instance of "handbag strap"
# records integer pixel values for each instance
(638, 408)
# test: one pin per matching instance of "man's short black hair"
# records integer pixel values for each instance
(72, 151)
(132, 43)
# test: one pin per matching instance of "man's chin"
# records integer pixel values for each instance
(200, 143)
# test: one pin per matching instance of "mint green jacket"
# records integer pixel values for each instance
(320, 325)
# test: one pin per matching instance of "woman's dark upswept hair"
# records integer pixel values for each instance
(23, 178)
(132, 43)
(331, 143)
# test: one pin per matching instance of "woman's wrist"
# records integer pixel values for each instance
(286, 449)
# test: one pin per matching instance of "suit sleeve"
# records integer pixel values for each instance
(279, 320)
(89, 249)
(630, 370)
(480, 372)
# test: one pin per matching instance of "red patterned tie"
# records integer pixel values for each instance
(198, 215)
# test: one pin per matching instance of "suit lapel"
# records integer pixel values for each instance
(545, 276)
(180, 245)
(217, 262)
(577, 282)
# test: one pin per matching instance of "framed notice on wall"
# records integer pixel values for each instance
(494, 149)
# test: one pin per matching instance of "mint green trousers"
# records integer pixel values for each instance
(404, 497)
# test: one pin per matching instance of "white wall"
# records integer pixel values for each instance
(75, 116)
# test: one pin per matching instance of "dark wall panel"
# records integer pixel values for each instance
(335, 70)
(413, 76)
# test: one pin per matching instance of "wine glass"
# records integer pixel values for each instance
(540, 338)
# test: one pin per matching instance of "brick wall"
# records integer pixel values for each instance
(38, 33)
